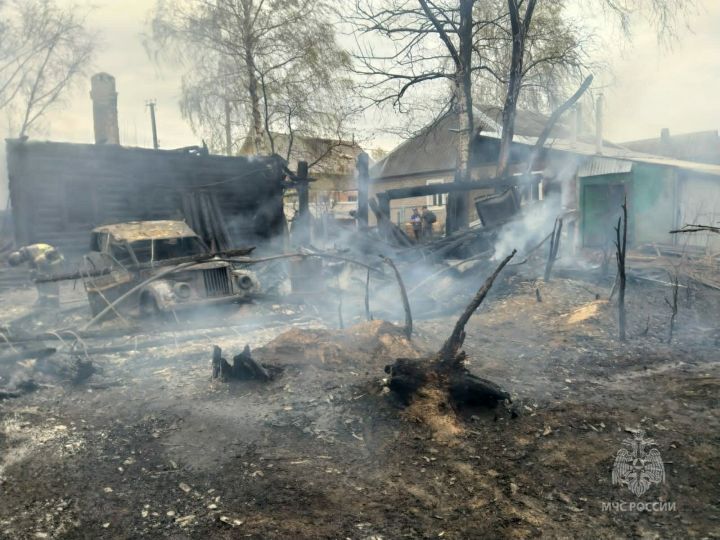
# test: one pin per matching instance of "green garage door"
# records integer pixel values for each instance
(602, 197)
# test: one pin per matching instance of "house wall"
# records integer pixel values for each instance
(651, 199)
(60, 191)
(699, 203)
(654, 203)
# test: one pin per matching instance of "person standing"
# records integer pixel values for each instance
(428, 218)
(44, 261)
(416, 222)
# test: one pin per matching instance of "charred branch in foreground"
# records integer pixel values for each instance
(621, 248)
(673, 305)
(403, 294)
(554, 247)
(696, 228)
(409, 377)
(554, 117)
(449, 352)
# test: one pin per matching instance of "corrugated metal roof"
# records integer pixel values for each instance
(596, 166)
(435, 148)
(617, 153)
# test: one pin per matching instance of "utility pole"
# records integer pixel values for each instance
(151, 103)
(228, 130)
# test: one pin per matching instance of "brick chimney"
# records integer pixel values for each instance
(105, 116)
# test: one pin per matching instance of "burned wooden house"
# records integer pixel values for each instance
(60, 191)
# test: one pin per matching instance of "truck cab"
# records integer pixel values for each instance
(124, 255)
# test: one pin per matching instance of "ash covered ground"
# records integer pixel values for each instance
(151, 447)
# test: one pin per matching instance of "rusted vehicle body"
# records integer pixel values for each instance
(126, 255)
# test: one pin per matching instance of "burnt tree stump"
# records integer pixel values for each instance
(443, 378)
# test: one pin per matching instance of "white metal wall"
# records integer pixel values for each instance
(699, 198)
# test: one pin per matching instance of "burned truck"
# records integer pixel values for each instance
(157, 259)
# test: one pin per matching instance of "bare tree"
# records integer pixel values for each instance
(516, 46)
(44, 48)
(662, 13)
(461, 42)
(520, 25)
(253, 66)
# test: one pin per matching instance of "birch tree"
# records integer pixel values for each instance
(44, 50)
(252, 65)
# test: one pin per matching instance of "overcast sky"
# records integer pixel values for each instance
(649, 87)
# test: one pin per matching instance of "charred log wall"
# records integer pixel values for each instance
(60, 191)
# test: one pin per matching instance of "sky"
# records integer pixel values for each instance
(649, 87)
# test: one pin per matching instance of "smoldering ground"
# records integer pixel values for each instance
(151, 446)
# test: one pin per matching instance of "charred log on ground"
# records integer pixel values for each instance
(243, 368)
(442, 381)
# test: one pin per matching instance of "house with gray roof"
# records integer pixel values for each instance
(591, 176)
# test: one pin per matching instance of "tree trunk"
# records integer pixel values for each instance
(457, 201)
(519, 32)
(510, 107)
(257, 124)
(249, 47)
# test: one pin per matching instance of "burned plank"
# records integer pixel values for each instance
(243, 368)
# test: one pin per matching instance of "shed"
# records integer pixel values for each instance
(59, 192)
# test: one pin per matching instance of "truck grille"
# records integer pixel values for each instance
(216, 282)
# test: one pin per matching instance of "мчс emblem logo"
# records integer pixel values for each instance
(639, 466)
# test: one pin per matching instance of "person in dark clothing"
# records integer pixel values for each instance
(428, 218)
(416, 222)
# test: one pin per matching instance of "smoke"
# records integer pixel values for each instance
(536, 222)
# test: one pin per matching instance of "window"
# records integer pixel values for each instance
(121, 253)
(174, 248)
(142, 250)
(437, 199)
